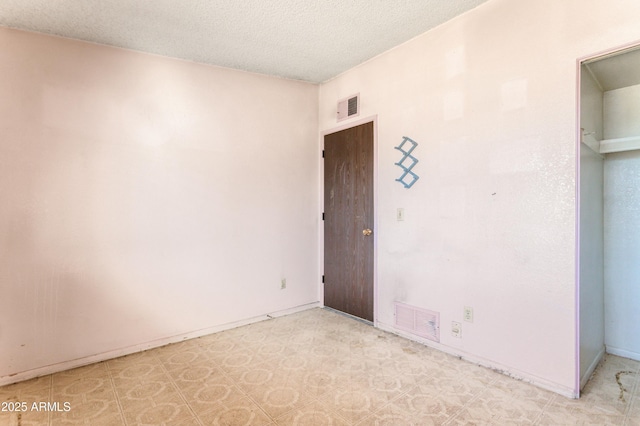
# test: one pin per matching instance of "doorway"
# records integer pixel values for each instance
(609, 190)
(349, 221)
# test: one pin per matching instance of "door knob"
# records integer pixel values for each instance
(367, 232)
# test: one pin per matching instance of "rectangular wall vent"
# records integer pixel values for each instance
(349, 107)
(418, 321)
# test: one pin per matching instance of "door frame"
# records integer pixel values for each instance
(370, 119)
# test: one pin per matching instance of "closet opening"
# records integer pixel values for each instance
(608, 240)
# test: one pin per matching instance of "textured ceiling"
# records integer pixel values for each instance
(311, 40)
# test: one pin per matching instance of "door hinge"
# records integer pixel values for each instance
(323, 153)
(322, 215)
(323, 278)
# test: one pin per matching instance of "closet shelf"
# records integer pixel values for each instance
(607, 146)
(589, 140)
(619, 144)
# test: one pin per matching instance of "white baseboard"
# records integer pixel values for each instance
(508, 371)
(592, 367)
(623, 353)
(79, 362)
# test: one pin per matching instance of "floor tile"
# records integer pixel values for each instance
(238, 412)
(315, 367)
(313, 414)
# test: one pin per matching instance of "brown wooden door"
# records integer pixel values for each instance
(348, 208)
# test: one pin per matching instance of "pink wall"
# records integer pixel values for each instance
(490, 97)
(143, 198)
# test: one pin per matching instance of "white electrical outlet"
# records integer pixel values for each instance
(456, 329)
(283, 284)
(468, 314)
(400, 214)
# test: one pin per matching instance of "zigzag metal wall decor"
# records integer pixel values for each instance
(408, 177)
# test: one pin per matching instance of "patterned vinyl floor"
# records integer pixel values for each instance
(311, 368)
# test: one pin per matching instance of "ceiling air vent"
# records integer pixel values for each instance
(421, 322)
(348, 107)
